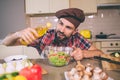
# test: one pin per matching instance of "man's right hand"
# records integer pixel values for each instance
(27, 35)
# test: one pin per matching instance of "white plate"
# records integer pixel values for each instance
(15, 58)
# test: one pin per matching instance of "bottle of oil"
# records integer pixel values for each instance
(41, 30)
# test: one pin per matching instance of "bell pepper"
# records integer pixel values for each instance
(20, 77)
(32, 73)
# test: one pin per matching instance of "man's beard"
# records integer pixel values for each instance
(57, 37)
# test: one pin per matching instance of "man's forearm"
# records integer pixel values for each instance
(92, 53)
(10, 39)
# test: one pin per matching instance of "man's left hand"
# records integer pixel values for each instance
(77, 54)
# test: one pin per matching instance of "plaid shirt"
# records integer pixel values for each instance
(48, 40)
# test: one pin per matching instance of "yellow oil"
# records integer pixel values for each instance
(41, 30)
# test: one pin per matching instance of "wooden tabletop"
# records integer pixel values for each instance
(57, 73)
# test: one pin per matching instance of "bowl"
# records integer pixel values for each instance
(15, 58)
(59, 56)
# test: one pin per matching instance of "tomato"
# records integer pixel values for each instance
(62, 57)
(32, 73)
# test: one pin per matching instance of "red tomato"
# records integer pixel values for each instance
(62, 57)
(32, 73)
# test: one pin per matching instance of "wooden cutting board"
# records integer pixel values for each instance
(44, 71)
(110, 66)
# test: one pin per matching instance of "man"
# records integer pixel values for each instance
(65, 34)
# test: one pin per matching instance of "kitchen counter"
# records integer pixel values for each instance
(57, 73)
(94, 39)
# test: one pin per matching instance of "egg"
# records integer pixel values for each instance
(2, 71)
(10, 67)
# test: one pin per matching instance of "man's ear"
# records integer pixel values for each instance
(75, 31)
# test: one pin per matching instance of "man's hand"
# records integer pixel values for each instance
(77, 54)
(27, 35)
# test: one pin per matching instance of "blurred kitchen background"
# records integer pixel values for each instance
(106, 21)
(103, 16)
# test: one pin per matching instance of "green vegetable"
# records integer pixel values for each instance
(59, 58)
(115, 54)
(9, 76)
(2, 76)
(14, 73)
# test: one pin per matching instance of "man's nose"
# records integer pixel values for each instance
(62, 29)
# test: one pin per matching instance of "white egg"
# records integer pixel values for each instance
(10, 67)
(19, 65)
(2, 71)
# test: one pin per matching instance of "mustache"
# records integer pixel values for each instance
(57, 40)
(61, 33)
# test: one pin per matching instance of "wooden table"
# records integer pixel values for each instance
(57, 73)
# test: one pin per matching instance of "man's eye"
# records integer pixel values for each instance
(68, 27)
(60, 23)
